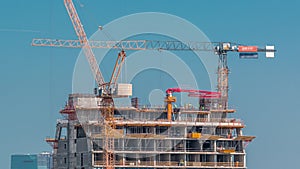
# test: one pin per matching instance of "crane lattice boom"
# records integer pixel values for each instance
(139, 45)
(84, 43)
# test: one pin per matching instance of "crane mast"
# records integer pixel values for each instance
(107, 104)
(223, 73)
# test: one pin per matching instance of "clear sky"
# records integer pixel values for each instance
(36, 81)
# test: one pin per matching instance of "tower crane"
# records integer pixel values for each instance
(107, 105)
(87, 49)
(219, 48)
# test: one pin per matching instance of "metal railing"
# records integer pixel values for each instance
(172, 163)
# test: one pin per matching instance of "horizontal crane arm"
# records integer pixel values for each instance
(143, 45)
(129, 44)
(194, 93)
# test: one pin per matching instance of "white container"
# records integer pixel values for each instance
(123, 90)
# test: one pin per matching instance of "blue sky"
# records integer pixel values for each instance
(35, 81)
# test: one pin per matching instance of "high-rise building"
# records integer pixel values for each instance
(44, 160)
(24, 161)
(32, 161)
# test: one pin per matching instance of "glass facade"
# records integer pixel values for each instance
(44, 160)
(32, 161)
(25, 161)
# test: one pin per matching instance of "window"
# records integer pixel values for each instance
(63, 133)
(80, 133)
(81, 159)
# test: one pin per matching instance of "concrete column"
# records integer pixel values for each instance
(244, 163)
(215, 145)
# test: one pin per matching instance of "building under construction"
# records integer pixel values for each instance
(96, 134)
(201, 137)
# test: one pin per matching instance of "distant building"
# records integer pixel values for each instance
(44, 160)
(25, 161)
(32, 161)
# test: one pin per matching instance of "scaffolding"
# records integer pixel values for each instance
(145, 138)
